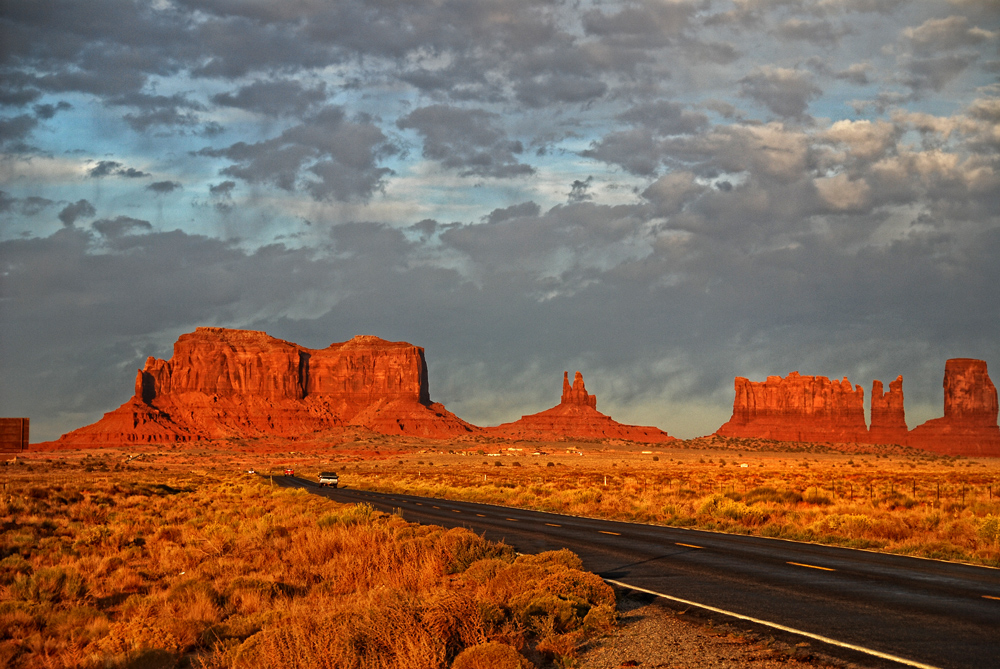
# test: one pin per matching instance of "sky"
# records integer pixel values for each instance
(661, 194)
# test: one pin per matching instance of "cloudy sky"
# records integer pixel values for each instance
(662, 194)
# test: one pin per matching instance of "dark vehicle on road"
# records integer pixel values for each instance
(328, 478)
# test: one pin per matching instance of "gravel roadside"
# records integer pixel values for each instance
(653, 636)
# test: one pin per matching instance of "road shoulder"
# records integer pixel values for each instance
(654, 636)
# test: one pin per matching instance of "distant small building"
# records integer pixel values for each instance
(13, 435)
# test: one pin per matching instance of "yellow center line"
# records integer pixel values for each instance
(455, 511)
(553, 525)
(811, 566)
(480, 515)
(513, 520)
(435, 507)
(689, 545)
(617, 534)
(991, 597)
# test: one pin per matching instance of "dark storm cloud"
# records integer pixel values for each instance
(15, 96)
(579, 191)
(935, 73)
(14, 130)
(550, 286)
(671, 192)
(151, 111)
(48, 111)
(948, 33)
(461, 81)
(546, 89)
(107, 168)
(665, 118)
(27, 206)
(856, 73)
(273, 98)
(223, 189)
(163, 187)
(815, 31)
(784, 91)
(638, 151)
(342, 154)
(222, 195)
(529, 209)
(78, 209)
(66, 46)
(836, 245)
(120, 225)
(645, 24)
(469, 140)
(641, 149)
(939, 50)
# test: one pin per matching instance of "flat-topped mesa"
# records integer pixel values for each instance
(888, 415)
(243, 383)
(576, 417)
(577, 393)
(969, 425)
(227, 363)
(797, 408)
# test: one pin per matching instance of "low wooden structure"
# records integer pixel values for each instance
(13, 435)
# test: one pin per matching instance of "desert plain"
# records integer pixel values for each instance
(174, 555)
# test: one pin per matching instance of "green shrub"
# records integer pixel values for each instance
(462, 548)
(720, 506)
(768, 494)
(989, 529)
(356, 514)
(50, 585)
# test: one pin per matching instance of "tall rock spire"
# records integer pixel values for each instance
(577, 393)
(888, 415)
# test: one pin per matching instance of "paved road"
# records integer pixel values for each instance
(932, 613)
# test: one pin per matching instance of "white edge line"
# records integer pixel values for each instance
(810, 635)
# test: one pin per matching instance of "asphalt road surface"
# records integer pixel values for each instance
(926, 612)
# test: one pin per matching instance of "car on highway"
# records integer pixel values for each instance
(328, 478)
(289, 471)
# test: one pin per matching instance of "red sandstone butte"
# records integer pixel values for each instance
(243, 383)
(576, 417)
(888, 416)
(969, 425)
(797, 408)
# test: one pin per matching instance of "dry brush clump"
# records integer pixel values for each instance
(923, 505)
(201, 571)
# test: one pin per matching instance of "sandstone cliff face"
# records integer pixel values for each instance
(888, 415)
(969, 425)
(239, 383)
(797, 408)
(576, 417)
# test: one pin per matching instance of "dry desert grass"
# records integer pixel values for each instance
(151, 568)
(902, 501)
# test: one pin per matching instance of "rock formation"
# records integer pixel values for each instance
(241, 383)
(797, 408)
(888, 416)
(577, 393)
(576, 417)
(969, 425)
